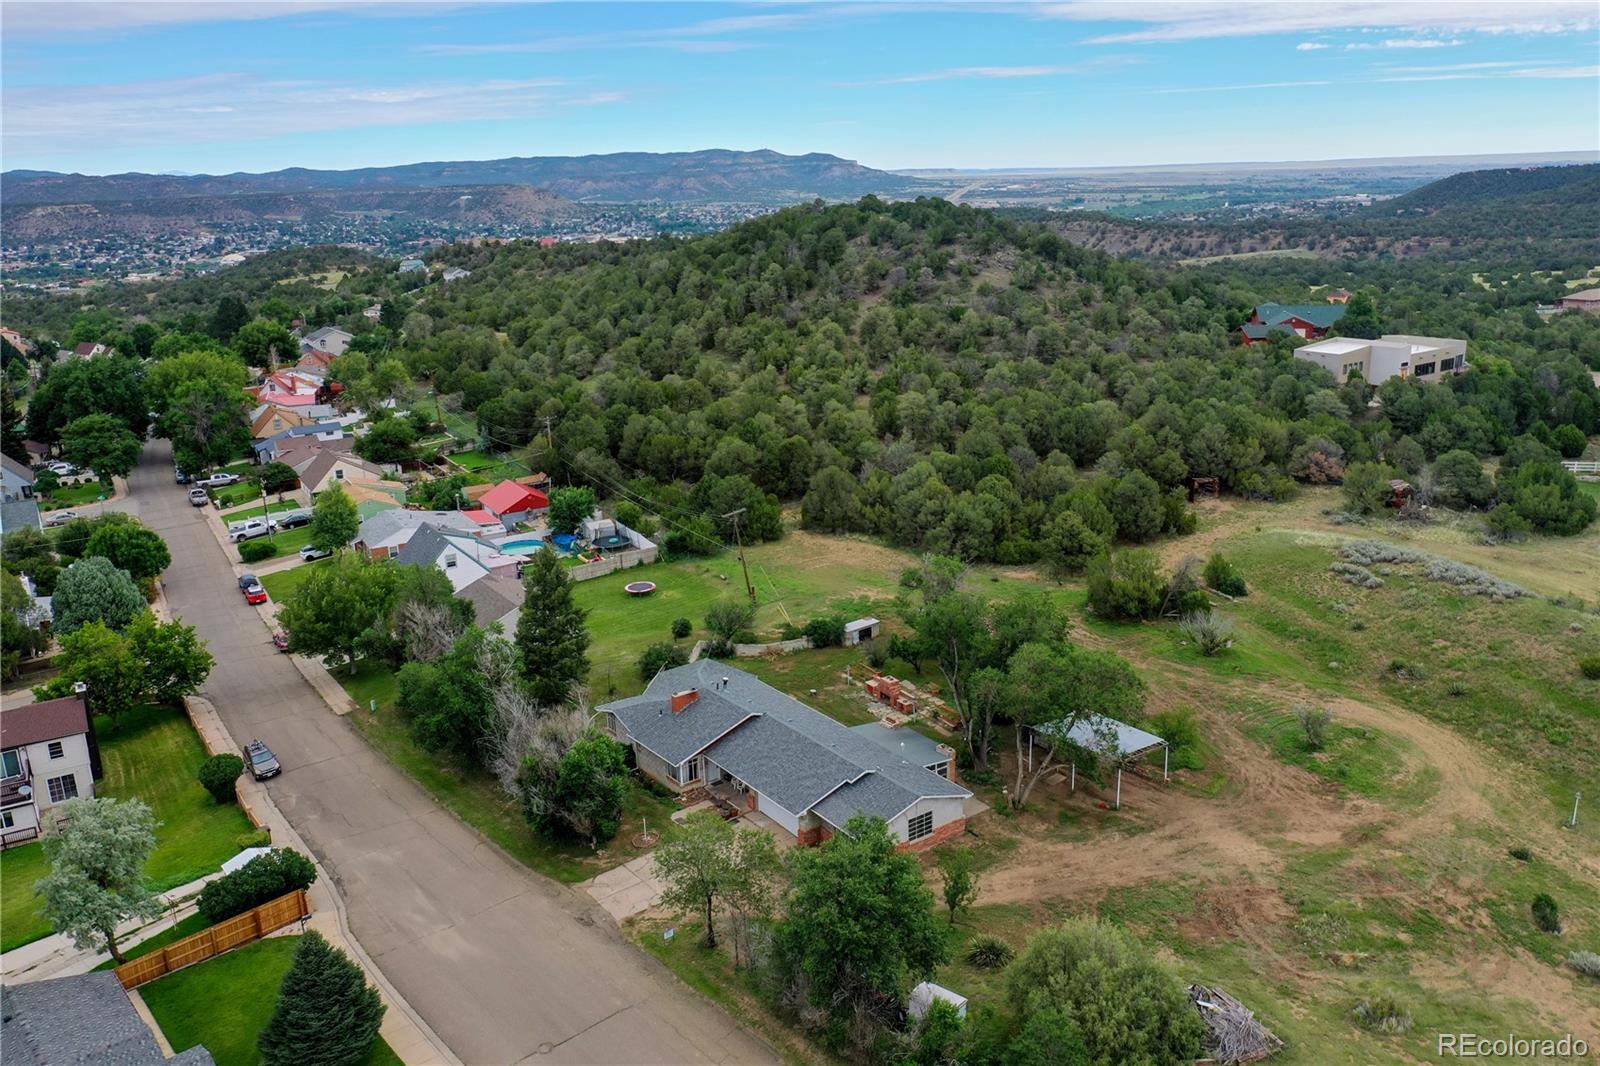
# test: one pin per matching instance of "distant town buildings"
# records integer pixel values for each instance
(1394, 355)
(456, 274)
(412, 266)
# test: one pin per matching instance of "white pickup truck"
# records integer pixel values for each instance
(216, 481)
(251, 528)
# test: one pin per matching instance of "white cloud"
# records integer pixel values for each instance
(66, 17)
(1310, 46)
(982, 73)
(1232, 88)
(1476, 71)
(236, 106)
(1185, 20)
(1402, 42)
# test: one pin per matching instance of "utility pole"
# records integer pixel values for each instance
(740, 543)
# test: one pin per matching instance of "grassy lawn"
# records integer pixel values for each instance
(476, 798)
(281, 585)
(234, 495)
(72, 496)
(153, 757)
(287, 543)
(497, 465)
(187, 927)
(255, 510)
(225, 1002)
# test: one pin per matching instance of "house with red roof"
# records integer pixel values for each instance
(511, 502)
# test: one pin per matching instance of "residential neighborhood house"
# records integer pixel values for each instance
(456, 273)
(322, 469)
(1587, 301)
(48, 755)
(464, 558)
(1394, 355)
(711, 725)
(87, 1020)
(511, 502)
(412, 266)
(330, 339)
(18, 508)
(310, 434)
(383, 535)
(1303, 320)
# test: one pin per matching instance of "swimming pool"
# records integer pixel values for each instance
(521, 545)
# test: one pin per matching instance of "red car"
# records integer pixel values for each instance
(280, 640)
(255, 594)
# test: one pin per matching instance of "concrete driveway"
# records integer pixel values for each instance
(504, 965)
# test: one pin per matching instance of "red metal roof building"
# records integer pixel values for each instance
(509, 498)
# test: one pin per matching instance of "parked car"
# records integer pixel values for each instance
(61, 468)
(263, 764)
(59, 518)
(216, 481)
(250, 529)
(292, 519)
(311, 551)
(246, 580)
(280, 640)
(180, 475)
(199, 497)
(255, 594)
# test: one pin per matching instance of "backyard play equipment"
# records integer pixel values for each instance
(639, 588)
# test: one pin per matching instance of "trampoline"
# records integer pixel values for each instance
(613, 543)
(639, 588)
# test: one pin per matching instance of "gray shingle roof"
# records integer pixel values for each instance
(80, 1021)
(905, 742)
(493, 598)
(775, 744)
(424, 546)
(15, 514)
(20, 469)
(385, 524)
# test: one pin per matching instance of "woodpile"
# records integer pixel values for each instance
(1233, 1033)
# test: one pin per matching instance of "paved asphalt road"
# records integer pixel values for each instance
(503, 964)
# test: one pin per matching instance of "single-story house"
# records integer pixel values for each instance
(411, 266)
(315, 362)
(1587, 300)
(373, 313)
(862, 629)
(912, 746)
(90, 349)
(384, 534)
(1394, 355)
(1303, 320)
(16, 340)
(1340, 296)
(456, 273)
(16, 479)
(511, 502)
(268, 420)
(87, 1020)
(311, 434)
(463, 557)
(495, 598)
(375, 496)
(48, 755)
(325, 468)
(713, 725)
(330, 339)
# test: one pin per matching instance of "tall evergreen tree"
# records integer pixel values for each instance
(551, 636)
(11, 437)
(327, 1013)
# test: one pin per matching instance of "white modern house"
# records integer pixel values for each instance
(48, 755)
(1394, 355)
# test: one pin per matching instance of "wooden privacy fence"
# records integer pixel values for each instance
(237, 931)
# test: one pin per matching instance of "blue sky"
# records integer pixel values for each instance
(216, 87)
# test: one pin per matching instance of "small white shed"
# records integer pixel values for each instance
(923, 995)
(861, 629)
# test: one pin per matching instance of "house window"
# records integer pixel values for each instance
(12, 760)
(1424, 369)
(941, 768)
(55, 749)
(6, 820)
(1447, 364)
(338, 474)
(689, 771)
(449, 560)
(63, 788)
(920, 826)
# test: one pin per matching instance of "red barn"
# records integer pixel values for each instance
(511, 500)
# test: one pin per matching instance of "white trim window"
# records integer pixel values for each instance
(55, 749)
(919, 826)
(63, 788)
(11, 759)
(7, 820)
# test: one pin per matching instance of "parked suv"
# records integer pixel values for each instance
(263, 764)
(218, 480)
(199, 497)
(250, 529)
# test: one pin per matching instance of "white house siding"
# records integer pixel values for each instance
(19, 824)
(944, 811)
(465, 572)
(783, 817)
(74, 762)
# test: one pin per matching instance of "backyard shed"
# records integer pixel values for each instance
(1106, 738)
(923, 996)
(862, 629)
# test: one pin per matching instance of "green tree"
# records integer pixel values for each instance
(860, 922)
(696, 864)
(831, 504)
(1134, 500)
(1569, 440)
(1361, 317)
(390, 440)
(1048, 1038)
(266, 344)
(104, 660)
(1059, 686)
(334, 520)
(219, 775)
(173, 660)
(112, 385)
(277, 478)
(96, 879)
(264, 878)
(1069, 544)
(94, 590)
(551, 637)
(134, 548)
(208, 424)
(228, 318)
(103, 444)
(580, 795)
(1459, 481)
(659, 657)
(729, 617)
(327, 1013)
(1126, 585)
(569, 507)
(1126, 1006)
(1366, 487)
(18, 639)
(338, 606)
(958, 879)
(11, 436)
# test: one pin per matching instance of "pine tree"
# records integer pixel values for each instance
(327, 1014)
(551, 636)
(11, 426)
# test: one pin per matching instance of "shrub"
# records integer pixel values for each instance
(989, 952)
(1224, 577)
(327, 1013)
(1585, 962)
(263, 878)
(1589, 666)
(219, 773)
(1211, 632)
(662, 656)
(1546, 915)
(253, 551)
(1357, 575)
(1521, 853)
(681, 627)
(877, 653)
(1469, 579)
(1383, 1014)
(1314, 722)
(825, 632)
(1126, 585)
(1182, 734)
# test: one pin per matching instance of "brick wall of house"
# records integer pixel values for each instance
(948, 831)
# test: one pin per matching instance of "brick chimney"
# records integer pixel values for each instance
(681, 700)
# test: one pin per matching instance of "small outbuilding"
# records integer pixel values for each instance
(862, 629)
(1108, 739)
(924, 995)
